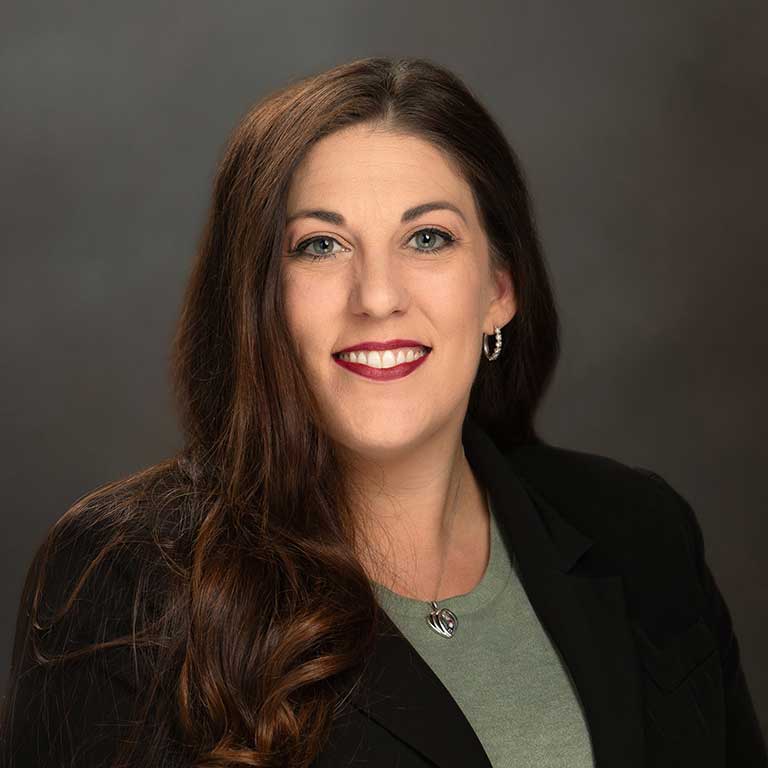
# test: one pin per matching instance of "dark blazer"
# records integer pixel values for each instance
(613, 563)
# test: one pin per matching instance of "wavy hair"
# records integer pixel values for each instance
(227, 577)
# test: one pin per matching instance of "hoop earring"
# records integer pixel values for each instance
(497, 350)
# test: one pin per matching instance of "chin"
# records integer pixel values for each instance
(383, 433)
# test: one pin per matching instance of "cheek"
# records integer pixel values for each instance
(308, 308)
(301, 303)
(455, 303)
(456, 311)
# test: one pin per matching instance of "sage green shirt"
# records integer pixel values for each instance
(501, 668)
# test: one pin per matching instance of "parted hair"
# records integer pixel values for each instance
(224, 583)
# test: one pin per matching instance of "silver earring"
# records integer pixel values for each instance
(497, 349)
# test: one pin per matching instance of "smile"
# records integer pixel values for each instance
(383, 366)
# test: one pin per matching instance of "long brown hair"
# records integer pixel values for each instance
(244, 612)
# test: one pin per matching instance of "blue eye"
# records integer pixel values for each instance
(325, 241)
(431, 232)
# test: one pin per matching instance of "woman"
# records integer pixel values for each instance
(365, 555)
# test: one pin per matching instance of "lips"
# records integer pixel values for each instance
(382, 345)
(382, 375)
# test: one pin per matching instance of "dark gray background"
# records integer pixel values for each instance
(642, 131)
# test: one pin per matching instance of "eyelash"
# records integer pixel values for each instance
(298, 250)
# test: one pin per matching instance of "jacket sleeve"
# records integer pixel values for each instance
(745, 742)
(77, 713)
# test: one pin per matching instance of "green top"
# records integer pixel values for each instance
(501, 667)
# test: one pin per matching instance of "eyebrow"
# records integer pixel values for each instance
(411, 213)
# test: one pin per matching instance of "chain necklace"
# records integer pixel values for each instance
(443, 620)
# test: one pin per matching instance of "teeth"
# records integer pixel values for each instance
(386, 359)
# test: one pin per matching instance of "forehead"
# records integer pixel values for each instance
(358, 164)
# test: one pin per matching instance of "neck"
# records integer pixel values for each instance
(417, 509)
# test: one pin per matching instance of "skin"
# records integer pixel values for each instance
(424, 513)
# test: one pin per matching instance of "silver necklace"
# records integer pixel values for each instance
(443, 620)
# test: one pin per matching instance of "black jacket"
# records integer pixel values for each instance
(612, 560)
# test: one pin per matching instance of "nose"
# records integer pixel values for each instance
(378, 287)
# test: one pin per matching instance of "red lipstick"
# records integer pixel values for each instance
(383, 374)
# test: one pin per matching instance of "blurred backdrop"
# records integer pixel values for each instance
(641, 128)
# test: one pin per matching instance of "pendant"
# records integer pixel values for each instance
(443, 621)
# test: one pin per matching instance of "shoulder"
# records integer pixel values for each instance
(632, 513)
(105, 567)
(597, 485)
(92, 626)
(640, 527)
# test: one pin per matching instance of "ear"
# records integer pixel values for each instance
(503, 305)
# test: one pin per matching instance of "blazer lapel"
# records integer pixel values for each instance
(583, 613)
(404, 695)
